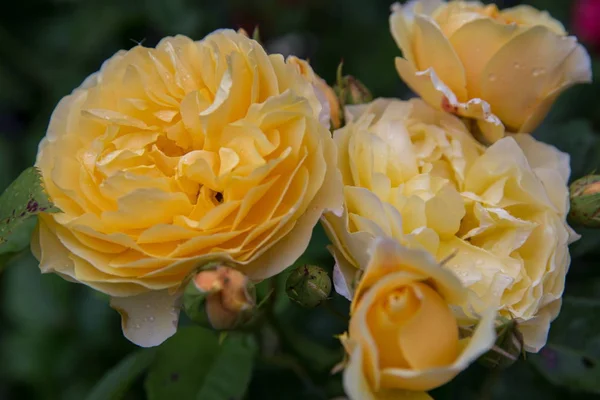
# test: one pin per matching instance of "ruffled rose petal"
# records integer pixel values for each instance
(432, 50)
(538, 71)
(150, 318)
(437, 93)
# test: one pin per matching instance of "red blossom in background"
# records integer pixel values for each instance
(586, 21)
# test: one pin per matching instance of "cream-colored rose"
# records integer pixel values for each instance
(504, 68)
(496, 214)
(403, 337)
(331, 113)
(175, 156)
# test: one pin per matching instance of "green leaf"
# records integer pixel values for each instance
(23, 199)
(117, 381)
(193, 364)
(571, 357)
(230, 374)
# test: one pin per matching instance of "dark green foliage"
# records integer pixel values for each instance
(60, 340)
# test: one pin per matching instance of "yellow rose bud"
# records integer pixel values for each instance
(174, 156)
(223, 298)
(496, 216)
(403, 337)
(327, 94)
(585, 201)
(503, 68)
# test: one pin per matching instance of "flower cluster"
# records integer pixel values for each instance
(445, 215)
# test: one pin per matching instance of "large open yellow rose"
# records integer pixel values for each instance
(496, 214)
(171, 157)
(403, 337)
(504, 68)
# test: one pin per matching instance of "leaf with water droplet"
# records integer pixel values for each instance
(23, 199)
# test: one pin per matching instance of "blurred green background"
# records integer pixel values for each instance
(57, 339)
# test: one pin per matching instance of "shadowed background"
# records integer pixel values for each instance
(57, 339)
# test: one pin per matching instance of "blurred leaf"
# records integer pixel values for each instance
(230, 374)
(116, 382)
(192, 363)
(33, 301)
(521, 381)
(6, 162)
(571, 357)
(23, 199)
(16, 242)
(576, 138)
(320, 357)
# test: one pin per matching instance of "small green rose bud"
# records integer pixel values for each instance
(508, 347)
(308, 286)
(220, 297)
(349, 90)
(585, 201)
(353, 91)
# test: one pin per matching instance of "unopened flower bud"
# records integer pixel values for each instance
(354, 91)
(508, 347)
(350, 90)
(585, 201)
(308, 285)
(222, 298)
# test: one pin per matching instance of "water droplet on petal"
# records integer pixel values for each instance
(492, 77)
(151, 319)
(479, 262)
(538, 71)
(148, 306)
(137, 326)
(517, 65)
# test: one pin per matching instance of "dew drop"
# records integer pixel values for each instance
(517, 65)
(538, 71)
(151, 319)
(461, 274)
(137, 326)
(148, 306)
(479, 262)
(492, 77)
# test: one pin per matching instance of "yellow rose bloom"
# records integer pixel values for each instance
(403, 337)
(497, 214)
(173, 156)
(503, 68)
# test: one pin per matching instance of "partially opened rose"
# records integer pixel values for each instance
(496, 215)
(503, 68)
(403, 337)
(172, 157)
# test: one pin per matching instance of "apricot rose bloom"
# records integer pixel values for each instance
(172, 157)
(497, 214)
(503, 68)
(403, 337)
